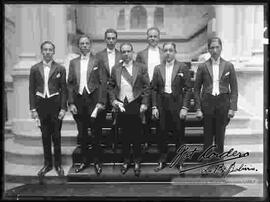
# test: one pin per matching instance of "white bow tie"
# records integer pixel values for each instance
(84, 57)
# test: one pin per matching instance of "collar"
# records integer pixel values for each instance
(170, 63)
(153, 48)
(109, 51)
(85, 57)
(49, 64)
(128, 65)
(215, 61)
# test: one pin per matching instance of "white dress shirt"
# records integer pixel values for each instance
(126, 89)
(83, 74)
(153, 60)
(168, 74)
(46, 69)
(111, 58)
(215, 67)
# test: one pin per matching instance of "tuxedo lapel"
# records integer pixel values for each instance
(209, 67)
(145, 55)
(105, 55)
(134, 72)
(41, 70)
(90, 66)
(162, 71)
(160, 55)
(175, 70)
(117, 56)
(221, 68)
(118, 75)
(52, 69)
(77, 67)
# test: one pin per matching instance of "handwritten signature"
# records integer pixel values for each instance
(222, 170)
(217, 167)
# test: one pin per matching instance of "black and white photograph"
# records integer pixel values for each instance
(135, 101)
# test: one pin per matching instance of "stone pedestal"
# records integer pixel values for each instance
(34, 24)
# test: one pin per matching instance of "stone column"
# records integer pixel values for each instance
(34, 24)
(58, 30)
(239, 27)
(127, 17)
(225, 29)
(28, 44)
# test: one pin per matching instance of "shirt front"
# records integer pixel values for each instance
(168, 76)
(46, 69)
(83, 73)
(111, 58)
(153, 60)
(126, 88)
(215, 67)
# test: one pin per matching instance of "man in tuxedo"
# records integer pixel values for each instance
(86, 100)
(129, 94)
(171, 86)
(216, 95)
(109, 57)
(48, 104)
(151, 56)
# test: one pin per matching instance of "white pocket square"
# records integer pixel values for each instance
(227, 74)
(58, 75)
(180, 74)
(95, 68)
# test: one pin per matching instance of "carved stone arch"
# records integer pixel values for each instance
(121, 19)
(159, 17)
(138, 18)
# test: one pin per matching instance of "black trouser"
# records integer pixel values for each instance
(85, 104)
(169, 121)
(149, 124)
(50, 126)
(131, 124)
(108, 109)
(215, 111)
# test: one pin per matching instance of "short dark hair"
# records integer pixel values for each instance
(210, 40)
(126, 43)
(153, 28)
(110, 30)
(173, 44)
(47, 42)
(84, 36)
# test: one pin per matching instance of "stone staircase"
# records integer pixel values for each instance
(24, 153)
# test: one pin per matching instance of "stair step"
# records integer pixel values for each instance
(152, 154)
(113, 174)
(69, 137)
(239, 121)
(27, 174)
(32, 155)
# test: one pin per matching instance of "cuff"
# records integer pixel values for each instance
(33, 110)
(185, 108)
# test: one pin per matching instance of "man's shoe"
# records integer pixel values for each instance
(98, 168)
(160, 166)
(44, 170)
(82, 167)
(60, 170)
(146, 146)
(137, 169)
(124, 168)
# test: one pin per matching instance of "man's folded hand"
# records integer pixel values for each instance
(143, 108)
